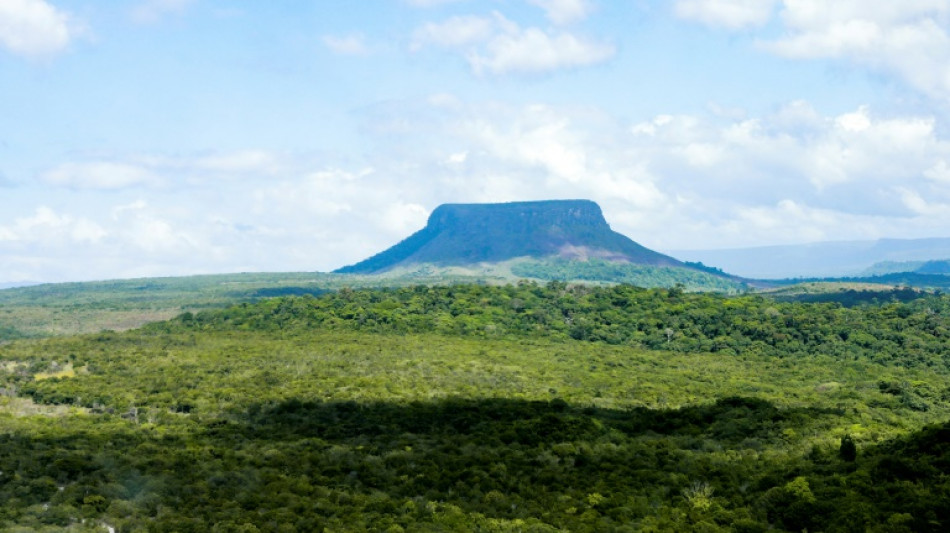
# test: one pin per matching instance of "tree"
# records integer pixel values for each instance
(848, 451)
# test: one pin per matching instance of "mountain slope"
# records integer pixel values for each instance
(464, 234)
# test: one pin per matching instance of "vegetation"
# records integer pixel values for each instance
(898, 279)
(696, 278)
(89, 307)
(474, 408)
(911, 334)
(848, 294)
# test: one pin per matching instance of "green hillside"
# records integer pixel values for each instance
(694, 278)
(477, 408)
(89, 307)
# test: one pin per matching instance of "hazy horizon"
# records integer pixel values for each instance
(174, 137)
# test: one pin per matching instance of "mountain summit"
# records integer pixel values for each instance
(466, 234)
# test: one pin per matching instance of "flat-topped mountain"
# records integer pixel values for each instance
(466, 234)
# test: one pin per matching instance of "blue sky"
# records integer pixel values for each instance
(171, 137)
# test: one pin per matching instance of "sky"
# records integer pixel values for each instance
(174, 137)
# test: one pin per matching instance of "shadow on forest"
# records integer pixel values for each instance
(852, 297)
(275, 292)
(730, 421)
(316, 465)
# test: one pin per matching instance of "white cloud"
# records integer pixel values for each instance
(100, 175)
(46, 226)
(536, 136)
(916, 202)
(154, 235)
(239, 162)
(671, 181)
(682, 181)
(453, 32)
(564, 11)
(730, 14)
(119, 210)
(160, 171)
(795, 144)
(909, 40)
(940, 172)
(534, 51)
(457, 158)
(790, 221)
(150, 11)
(322, 194)
(430, 3)
(351, 45)
(496, 45)
(136, 240)
(404, 217)
(34, 28)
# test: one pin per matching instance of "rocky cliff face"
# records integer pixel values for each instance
(464, 234)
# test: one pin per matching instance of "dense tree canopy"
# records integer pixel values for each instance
(476, 408)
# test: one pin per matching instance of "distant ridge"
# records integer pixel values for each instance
(15, 284)
(823, 259)
(941, 266)
(467, 234)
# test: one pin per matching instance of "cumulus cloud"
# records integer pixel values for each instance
(160, 171)
(351, 45)
(45, 225)
(940, 172)
(670, 181)
(150, 11)
(454, 32)
(731, 14)
(99, 175)
(34, 28)
(533, 51)
(564, 11)
(796, 142)
(674, 181)
(824, 177)
(916, 202)
(405, 217)
(909, 40)
(430, 3)
(141, 229)
(496, 45)
(239, 162)
(136, 240)
(536, 136)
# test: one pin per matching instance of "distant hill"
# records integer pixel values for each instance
(14, 284)
(467, 234)
(917, 267)
(824, 259)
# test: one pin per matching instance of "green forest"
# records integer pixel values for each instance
(525, 407)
